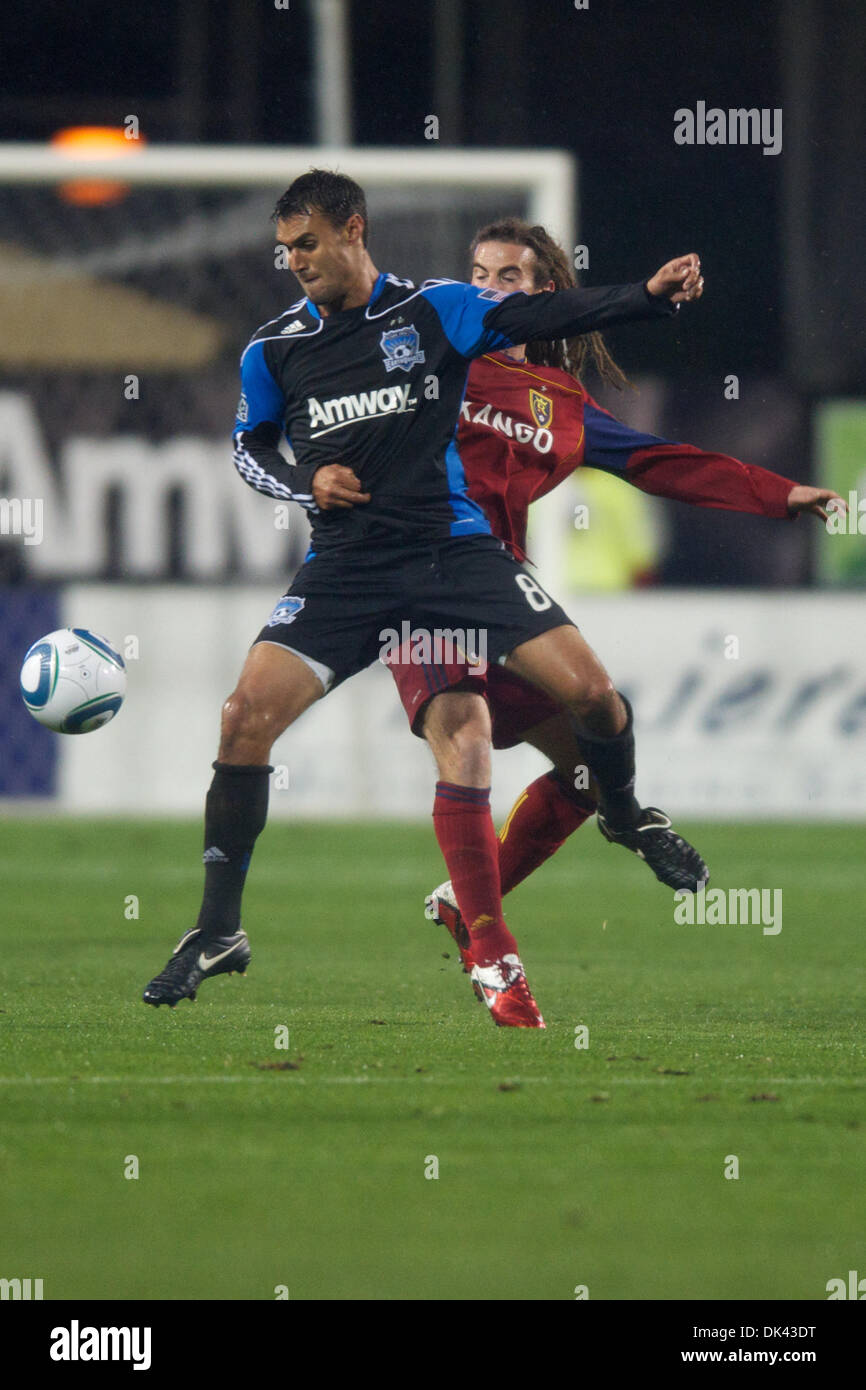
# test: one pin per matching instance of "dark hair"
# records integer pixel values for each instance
(572, 355)
(334, 195)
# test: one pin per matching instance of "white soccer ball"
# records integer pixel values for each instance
(73, 681)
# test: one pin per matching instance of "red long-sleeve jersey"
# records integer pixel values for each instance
(523, 429)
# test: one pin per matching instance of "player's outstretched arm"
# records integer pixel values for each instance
(475, 325)
(523, 318)
(685, 473)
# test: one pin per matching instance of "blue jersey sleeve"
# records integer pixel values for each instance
(476, 321)
(261, 398)
(461, 310)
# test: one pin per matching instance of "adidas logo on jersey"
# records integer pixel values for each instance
(294, 327)
(214, 856)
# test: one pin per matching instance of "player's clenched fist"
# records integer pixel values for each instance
(335, 485)
(679, 280)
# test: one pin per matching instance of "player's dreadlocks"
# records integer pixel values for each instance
(573, 355)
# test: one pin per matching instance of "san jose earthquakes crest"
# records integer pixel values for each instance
(541, 407)
(286, 610)
(401, 347)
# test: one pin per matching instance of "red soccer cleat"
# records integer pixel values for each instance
(441, 906)
(504, 990)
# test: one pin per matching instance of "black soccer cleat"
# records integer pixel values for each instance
(672, 859)
(193, 961)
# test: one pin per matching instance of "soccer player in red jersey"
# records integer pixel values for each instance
(526, 424)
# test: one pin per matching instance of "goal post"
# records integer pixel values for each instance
(549, 177)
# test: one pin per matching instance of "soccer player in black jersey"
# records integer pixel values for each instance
(370, 369)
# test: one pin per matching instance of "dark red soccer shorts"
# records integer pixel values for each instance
(515, 705)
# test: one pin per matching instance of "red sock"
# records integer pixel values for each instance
(540, 821)
(467, 839)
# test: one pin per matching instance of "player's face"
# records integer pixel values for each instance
(506, 266)
(326, 259)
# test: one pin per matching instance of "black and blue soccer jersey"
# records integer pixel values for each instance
(379, 389)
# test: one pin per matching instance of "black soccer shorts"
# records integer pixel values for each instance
(343, 608)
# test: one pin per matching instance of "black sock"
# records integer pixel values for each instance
(611, 762)
(583, 800)
(235, 813)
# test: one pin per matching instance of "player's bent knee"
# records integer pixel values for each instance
(599, 694)
(456, 714)
(470, 743)
(248, 728)
(463, 755)
(457, 728)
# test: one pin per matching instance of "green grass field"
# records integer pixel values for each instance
(558, 1166)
